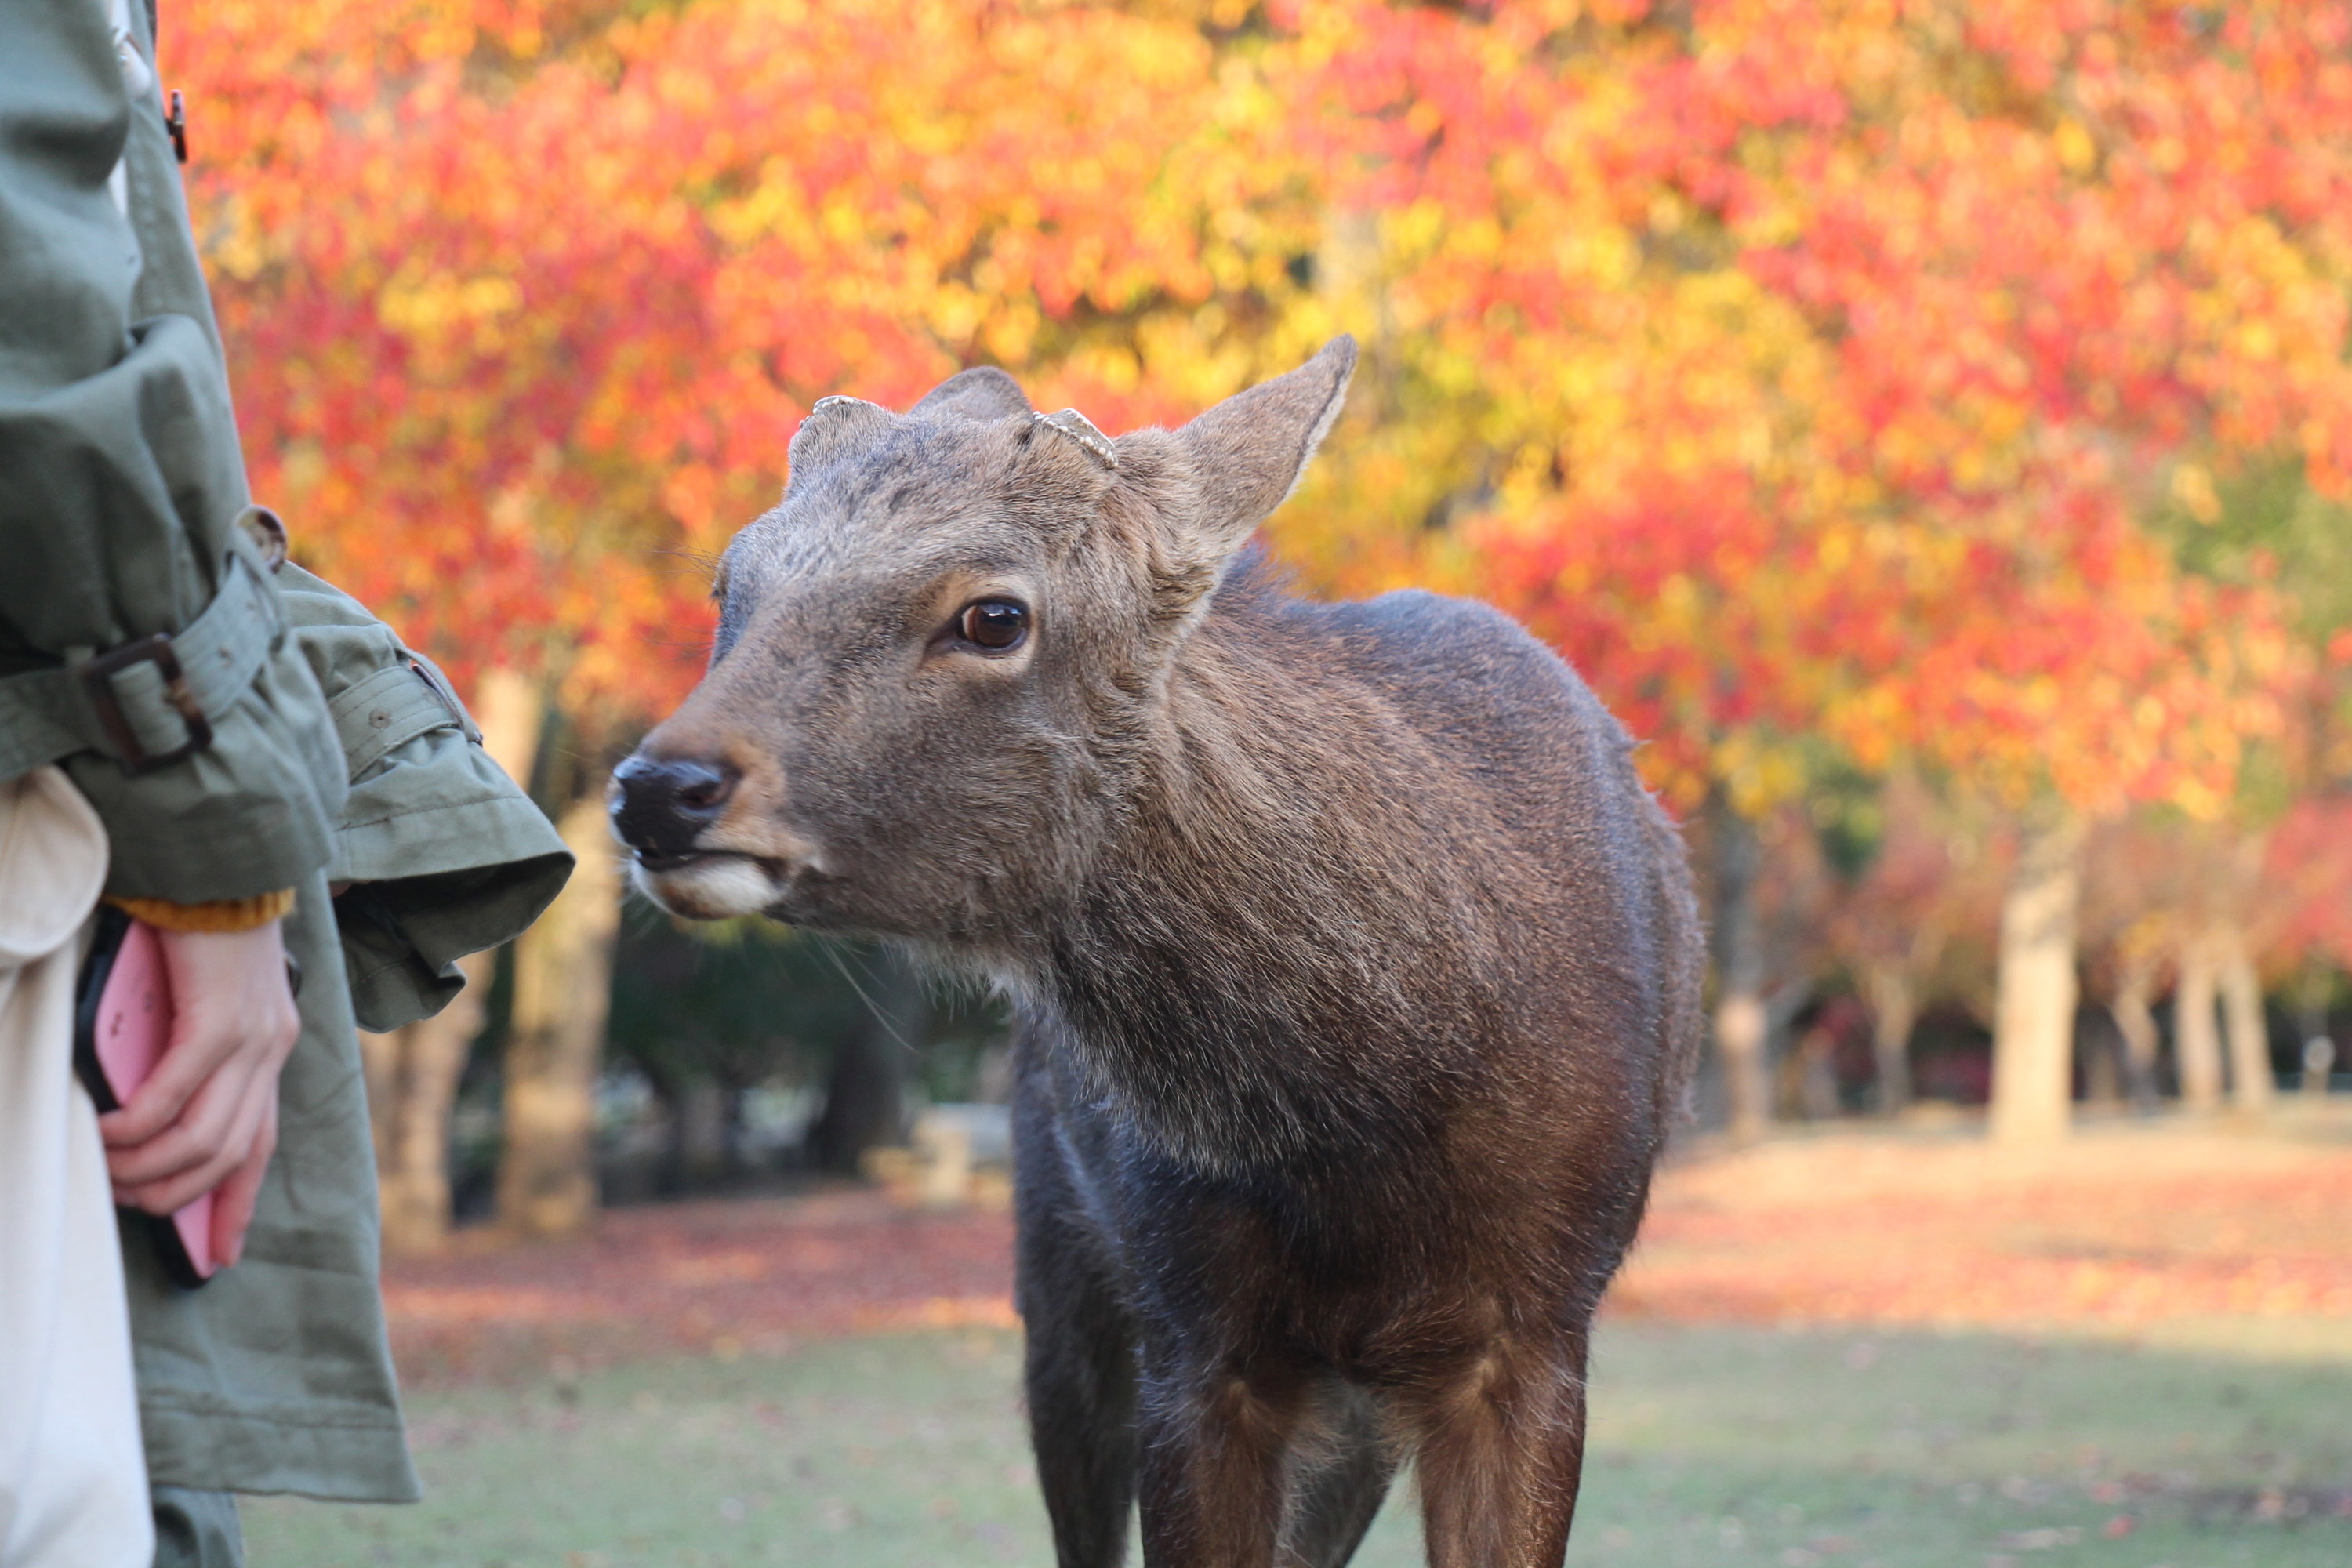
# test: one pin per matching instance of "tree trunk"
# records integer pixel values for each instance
(2033, 1014)
(2132, 1009)
(1893, 1013)
(2100, 1047)
(2196, 1042)
(2248, 1034)
(2310, 1016)
(2318, 1064)
(413, 1071)
(1742, 1022)
(865, 1096)
(410, 1112)
(701, 1131)
(1817, 1085)
(563, 985)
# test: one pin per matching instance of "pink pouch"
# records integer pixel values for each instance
(122, 1022)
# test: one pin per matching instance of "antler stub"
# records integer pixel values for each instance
(1069, 422)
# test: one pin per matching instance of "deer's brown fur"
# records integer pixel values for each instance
(1356, 973)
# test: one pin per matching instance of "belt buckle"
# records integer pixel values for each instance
(97, 679)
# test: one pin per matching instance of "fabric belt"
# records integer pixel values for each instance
(150, 702)
(388, 709)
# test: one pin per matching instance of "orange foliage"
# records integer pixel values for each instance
(1825, 353)
(524, 300)
(1800, 367)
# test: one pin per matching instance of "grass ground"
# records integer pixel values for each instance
(1712, 1446)
(1901, 1350)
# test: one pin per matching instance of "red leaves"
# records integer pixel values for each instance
(1799, 367)
(2308, 867)
(1948, 284)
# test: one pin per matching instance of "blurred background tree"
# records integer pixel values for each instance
(1927, 424)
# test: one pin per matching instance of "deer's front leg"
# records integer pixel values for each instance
(1214, 1443)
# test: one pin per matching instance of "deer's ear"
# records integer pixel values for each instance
(982, 393)
(1249, 450)
(836, 428)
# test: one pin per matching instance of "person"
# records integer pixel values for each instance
(208, 737)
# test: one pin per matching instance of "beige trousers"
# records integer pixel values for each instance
(73, 1480)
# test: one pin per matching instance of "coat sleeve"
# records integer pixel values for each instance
(445, 854)
(120, 481)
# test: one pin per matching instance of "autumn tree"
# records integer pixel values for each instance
(1922, 883)
(1808, 371)
(590, 265)
(1812, 369)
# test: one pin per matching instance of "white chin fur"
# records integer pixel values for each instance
(713, 890)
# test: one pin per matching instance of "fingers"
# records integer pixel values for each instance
(209, 1140)
(195, 1120)
(233, 1199)
(195, 1053)
(187, 1160)
(230, 1003)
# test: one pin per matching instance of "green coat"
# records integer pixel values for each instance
(274, 1376)
(333, 755)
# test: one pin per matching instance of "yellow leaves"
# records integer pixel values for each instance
(1782, 347)
(954, 312)
(2192, 488)
(1009, 334)
(238, 247)
(1836, 550)
(2197, 798)
(2256, 340)
(1678, 609)
(1872, 724)
(2076, 152)
(771, 209)
(1758, 776)
(428, 305)
(1768, 224)
(1414, 231)
(302, 468)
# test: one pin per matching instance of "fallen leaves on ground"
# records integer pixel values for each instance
(718, 1276)
(2125, 1226)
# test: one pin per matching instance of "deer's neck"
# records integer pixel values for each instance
(1270, 958)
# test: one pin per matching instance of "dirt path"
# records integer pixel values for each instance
(720, 1276)
(2127, 1229)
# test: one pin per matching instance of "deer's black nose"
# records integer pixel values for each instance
(661, 805)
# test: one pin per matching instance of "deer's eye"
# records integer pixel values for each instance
(997, 625)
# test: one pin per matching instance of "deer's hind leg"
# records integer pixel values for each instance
(1502, 1448)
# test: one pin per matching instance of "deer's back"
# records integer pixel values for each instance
(1422, 1014)
(1593, 876)
(1398, 862)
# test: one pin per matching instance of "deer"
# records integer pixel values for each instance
(1354, 971)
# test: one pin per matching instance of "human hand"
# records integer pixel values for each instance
(207, 1117)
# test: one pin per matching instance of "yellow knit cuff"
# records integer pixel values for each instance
(218, 915)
